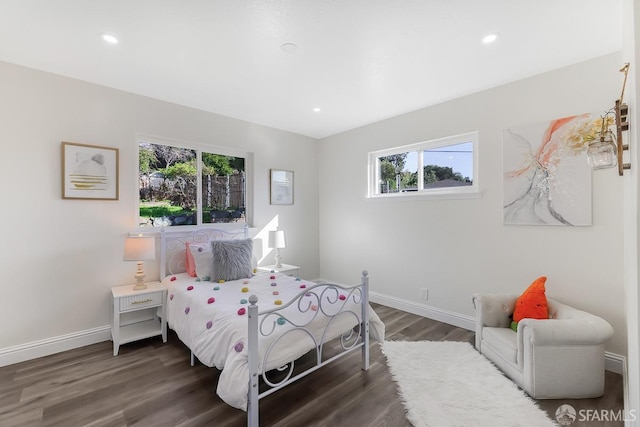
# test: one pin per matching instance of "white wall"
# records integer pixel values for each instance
(459, 247)
(61, 257)
(631, 39)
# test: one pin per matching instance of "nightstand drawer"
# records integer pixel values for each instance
(136, 302)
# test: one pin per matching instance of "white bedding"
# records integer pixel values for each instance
(208, 318)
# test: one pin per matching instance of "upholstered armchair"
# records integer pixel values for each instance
(557, 358)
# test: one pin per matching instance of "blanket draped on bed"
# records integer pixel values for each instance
(211, 319)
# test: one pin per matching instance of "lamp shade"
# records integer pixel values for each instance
(277, 239)
(139, 248)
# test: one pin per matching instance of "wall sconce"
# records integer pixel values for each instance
(622, 125)
(603, 150)
(606, 151)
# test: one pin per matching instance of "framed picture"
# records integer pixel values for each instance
(546, 176)
(281, 187)
(89, 172)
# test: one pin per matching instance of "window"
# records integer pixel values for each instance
(442, 166)
(190, 185)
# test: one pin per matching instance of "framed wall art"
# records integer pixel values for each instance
(89, 172)
(547, 179)
(281, 187)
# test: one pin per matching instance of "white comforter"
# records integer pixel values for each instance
(209, 318)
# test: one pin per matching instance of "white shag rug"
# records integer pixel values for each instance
(445, 383)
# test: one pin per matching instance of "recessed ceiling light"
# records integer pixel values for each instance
(490, 38)
(109, 38)
(316, 110)
(289, 48)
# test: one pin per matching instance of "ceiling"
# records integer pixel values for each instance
(359, 61)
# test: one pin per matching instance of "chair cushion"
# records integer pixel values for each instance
(502, 340)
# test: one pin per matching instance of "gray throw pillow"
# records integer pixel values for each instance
(231, 259)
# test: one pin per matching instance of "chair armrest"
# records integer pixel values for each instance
(493, 310)
(584, 331)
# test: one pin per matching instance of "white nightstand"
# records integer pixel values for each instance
(138, 314)
(288, 269)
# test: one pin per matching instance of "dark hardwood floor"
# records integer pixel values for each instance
(152, 384)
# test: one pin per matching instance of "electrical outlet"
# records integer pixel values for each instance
(424, 294)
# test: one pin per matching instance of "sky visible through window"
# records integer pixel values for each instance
(459, 157)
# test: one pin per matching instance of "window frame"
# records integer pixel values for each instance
(467, 191)
(199, 148)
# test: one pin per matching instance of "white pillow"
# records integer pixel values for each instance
(203, 258)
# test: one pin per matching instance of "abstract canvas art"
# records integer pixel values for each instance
(547, 179)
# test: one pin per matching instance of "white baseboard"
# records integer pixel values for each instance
(35, 349)
(613, 362)
(435, 313)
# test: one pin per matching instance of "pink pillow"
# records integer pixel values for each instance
(190, 263)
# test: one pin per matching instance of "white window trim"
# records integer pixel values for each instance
(465, 192)
(199, 147)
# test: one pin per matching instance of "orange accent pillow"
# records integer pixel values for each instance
(532, 304)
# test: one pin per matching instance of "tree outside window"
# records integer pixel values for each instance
(442, 166)
(176, 189)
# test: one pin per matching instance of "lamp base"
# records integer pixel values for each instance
(278, 258)
(139, 286)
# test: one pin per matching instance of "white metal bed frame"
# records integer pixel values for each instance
(172, 244)
(316, 298)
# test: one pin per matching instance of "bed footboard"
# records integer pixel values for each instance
(330, 305)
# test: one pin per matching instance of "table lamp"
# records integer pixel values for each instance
(139, 249)
(277, 242)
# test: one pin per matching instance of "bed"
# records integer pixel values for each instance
(253, 325)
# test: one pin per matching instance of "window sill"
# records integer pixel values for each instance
(156, 231)
(426, 196)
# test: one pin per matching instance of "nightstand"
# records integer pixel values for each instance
(288, 269)
(138, 314)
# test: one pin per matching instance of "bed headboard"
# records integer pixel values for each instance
(173, 244)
